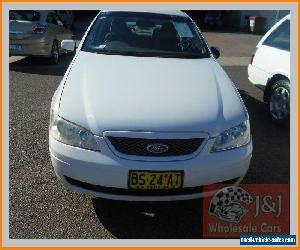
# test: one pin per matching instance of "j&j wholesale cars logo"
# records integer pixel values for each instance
(248, 209)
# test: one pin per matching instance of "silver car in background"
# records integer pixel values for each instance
(36, 33)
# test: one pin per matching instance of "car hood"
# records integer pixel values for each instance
(126, 93)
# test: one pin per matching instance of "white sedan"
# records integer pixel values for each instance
(270, 70)
(145, 112)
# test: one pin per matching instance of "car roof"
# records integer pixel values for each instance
(164, 12)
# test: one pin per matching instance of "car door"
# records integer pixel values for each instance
(52, 28)
(64, 32)
(59, 28)
(273, 54)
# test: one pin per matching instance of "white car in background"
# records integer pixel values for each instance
(270, 70)
(147, 115)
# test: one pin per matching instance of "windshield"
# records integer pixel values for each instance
(145, 34)
(24, 15)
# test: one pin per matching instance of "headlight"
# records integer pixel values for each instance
(233, 138)
(72, 134)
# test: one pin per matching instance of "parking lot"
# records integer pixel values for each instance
(41, 208)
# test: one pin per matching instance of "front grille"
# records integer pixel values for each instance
(138, 146)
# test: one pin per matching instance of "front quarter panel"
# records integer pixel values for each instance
(55, 103)
(269, 61)
(233, 110)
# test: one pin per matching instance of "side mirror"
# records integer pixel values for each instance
(215, 51)
(68, 45)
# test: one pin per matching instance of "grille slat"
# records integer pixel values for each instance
(138, 146)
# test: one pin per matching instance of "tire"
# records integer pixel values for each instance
(279, 102)
(54, 59)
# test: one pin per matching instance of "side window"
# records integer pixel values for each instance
(48, 19)
(51, 19)
(58, 21)
(280, 38)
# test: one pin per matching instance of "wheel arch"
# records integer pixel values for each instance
(51, 41)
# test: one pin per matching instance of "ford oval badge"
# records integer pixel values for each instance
(157, 148)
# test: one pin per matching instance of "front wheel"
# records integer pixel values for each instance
(279, 102)
(54, 53)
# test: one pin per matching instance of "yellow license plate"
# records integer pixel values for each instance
(155, 180)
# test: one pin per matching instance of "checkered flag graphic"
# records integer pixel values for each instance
(227, 195)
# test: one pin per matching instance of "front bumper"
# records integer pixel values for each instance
(257, 77)
(109, 171)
